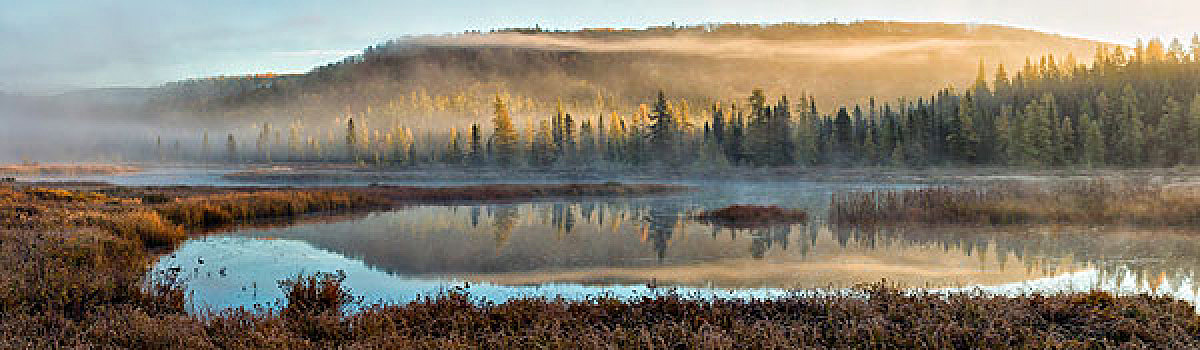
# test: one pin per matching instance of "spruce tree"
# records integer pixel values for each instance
(504, 135)
(1093, 141)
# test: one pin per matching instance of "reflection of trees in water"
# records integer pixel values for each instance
(661, 227)
(504, 219)
(563, 218)
(439, 240)
(1147, 257)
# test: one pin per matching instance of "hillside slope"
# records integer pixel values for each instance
(605, 69)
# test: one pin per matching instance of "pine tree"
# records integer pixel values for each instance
(587, 142)
(1171, 135)
(663, 129)
(718, 124)
(231, 153)
(204, 148)
(980, 89)
(454, 151)
(351, 140)
(1066, 140)
(1093, 141)
(843, 131)
(807, 141)
(1002, 148)
(1036, 133)
(1193, 132)
(504, 135)
(1132, 129)
(262, 144)
(476, 145)
(962, 139)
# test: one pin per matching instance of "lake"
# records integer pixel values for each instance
(628, 247)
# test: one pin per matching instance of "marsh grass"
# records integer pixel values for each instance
(65, 169)
(748, 216)
(230, 208)
(1079, 202)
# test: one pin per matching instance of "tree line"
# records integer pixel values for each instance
(1129, 107)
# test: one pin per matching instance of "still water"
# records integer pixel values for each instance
(638, 246)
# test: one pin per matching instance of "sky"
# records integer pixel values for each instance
(49, 46)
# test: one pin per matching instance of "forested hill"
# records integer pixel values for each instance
(609, 69)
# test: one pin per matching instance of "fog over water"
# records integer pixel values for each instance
(623, 247)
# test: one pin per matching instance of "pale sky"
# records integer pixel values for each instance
(56, 45)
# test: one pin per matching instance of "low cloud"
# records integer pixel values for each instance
(315, 53)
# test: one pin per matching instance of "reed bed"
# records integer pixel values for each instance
(65, 169)
(1080, 202)
(229, 208)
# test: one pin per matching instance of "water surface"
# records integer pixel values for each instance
(638, 246)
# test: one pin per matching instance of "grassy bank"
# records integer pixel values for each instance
(66, 169)
(1078, 202)
(72, 263)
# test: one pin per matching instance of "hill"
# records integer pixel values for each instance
(600, 70)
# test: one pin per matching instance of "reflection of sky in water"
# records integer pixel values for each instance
(618, 246)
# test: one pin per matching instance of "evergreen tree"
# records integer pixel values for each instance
(476, 145)
(351, 140)
(204, 148)
(1193, 132)
(504, 135)
(1093, 141)
(663, 129)
(962, 139)
(231, 153)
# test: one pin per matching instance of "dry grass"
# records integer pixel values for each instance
(230, 208)
(65, 169)
(1081, 202)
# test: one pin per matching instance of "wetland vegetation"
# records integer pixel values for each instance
(75, 262)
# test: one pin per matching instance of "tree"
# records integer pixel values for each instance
(980, 89)
(204, 148)
(1193, 131)
(542, 148)
(262, 143)
(504, 135)
(663, 129)
(843, 130)
(231, 153)
(962, 138)
(1171, 136)
(351, 140)
(454, 151)
(1036, 132)
(476, 145)
(1132, 129)
(1093, 140)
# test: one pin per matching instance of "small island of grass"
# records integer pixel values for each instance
(747, 216)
